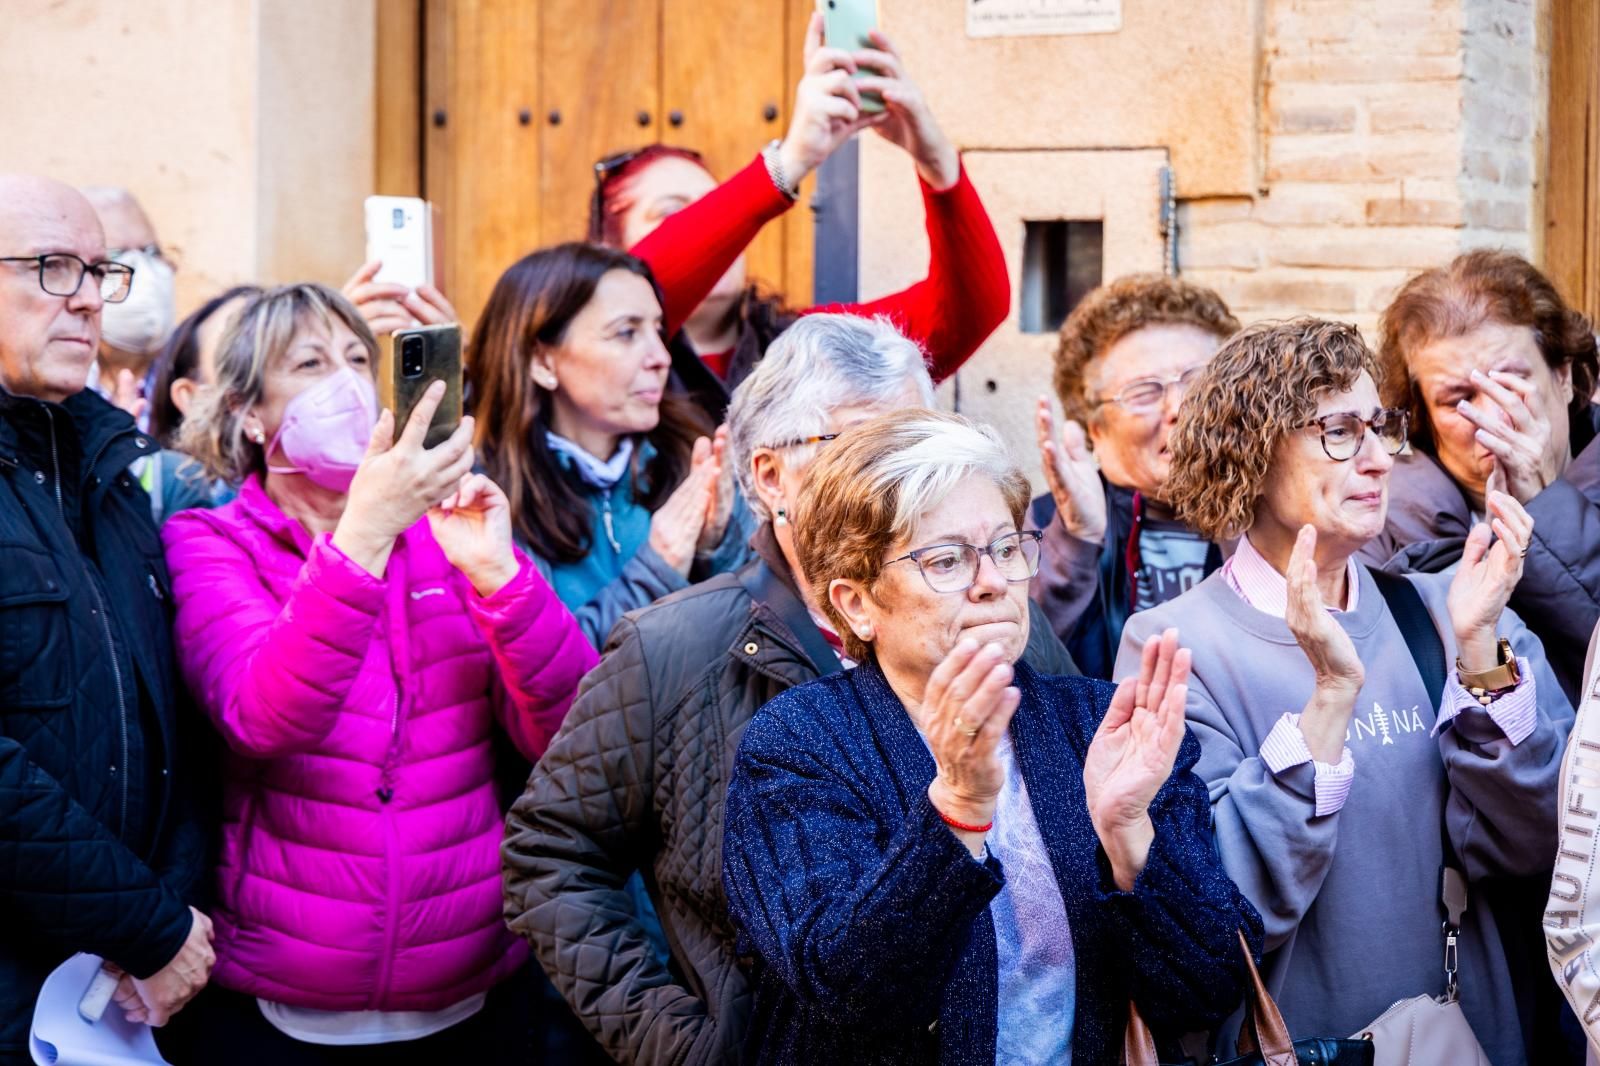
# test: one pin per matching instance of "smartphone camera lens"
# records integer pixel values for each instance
(399, 218)
(411, 357)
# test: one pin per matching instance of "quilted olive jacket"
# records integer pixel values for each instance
(636, 780)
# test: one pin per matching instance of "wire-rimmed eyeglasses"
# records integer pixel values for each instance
(954, 567)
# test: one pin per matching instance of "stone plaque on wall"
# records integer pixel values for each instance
(1042, 18)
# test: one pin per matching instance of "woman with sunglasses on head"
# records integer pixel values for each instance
(663, 205)
(1430, 729)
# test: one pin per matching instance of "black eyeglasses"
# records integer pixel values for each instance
(61, 274)
(954, 567)
(1343, 433)
(801, 442)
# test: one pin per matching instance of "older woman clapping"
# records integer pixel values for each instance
(944, 855)
(1335, 820)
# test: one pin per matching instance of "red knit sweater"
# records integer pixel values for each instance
(949, 313)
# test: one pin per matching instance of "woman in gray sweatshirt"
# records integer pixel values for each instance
(1333, 775)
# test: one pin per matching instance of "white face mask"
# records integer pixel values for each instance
(141, 323)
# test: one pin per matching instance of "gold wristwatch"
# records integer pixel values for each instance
(1485, 685)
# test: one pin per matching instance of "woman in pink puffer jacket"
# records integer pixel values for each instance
(356, 650)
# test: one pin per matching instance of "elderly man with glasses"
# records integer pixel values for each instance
(96, 851)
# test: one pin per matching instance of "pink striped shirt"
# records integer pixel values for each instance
(1258, 583)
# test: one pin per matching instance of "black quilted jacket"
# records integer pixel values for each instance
(95, 853)
(635, 780)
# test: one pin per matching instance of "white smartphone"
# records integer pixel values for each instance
(400, 233)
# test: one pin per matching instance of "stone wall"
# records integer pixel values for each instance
(1395, 134)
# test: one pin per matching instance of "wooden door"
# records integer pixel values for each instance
(481, 148)
(601, 72)
(521, 99)
(1572, 202)
(726, 90)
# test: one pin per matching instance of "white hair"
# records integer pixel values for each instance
(819, 364)
(926, 458)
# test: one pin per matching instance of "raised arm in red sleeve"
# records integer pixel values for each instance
(694, 247)
(967, 292)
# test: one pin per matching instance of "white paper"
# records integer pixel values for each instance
(60, 1036)
(1042, 18)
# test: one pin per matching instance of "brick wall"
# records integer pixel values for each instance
(1396, 133)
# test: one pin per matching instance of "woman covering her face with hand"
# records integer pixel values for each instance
(943, 855)
(356, 624)
(1335, 775)
(616, 484)
(1497, 372)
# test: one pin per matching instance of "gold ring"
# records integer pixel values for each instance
(962, 727)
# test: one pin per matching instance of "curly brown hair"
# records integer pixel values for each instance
(1262, 385)
(1117, 309)
(863, 494)
(1478, 287)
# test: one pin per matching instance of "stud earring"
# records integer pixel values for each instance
(781, 517)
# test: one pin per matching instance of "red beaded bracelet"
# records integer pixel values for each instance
(963, 826)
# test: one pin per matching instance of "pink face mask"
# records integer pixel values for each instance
(326, 429)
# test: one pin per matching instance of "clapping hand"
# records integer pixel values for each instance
(966, 710)
(1072, 475)
(679, 525)
(1133, 753)
(1486, 577)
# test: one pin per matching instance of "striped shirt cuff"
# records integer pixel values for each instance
(1285, 748)
(1516, 713)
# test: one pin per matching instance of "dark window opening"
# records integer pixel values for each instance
(1061, 263)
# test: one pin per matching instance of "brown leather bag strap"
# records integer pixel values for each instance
(1263, 1030)
(1138, 1045)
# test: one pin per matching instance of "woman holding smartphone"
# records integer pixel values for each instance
(356, 625)
(662, 204)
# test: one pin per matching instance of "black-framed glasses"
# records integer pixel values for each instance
(954, 567)
(61, 274)
(1343, 433)
(1146, 394)
(801, 442)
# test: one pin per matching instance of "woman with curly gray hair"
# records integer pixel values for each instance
(1285, 443)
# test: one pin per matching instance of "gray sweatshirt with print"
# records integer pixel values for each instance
(1350, 899)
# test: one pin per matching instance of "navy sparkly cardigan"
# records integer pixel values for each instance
(868, 920)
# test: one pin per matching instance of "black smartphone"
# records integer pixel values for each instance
(417, 358)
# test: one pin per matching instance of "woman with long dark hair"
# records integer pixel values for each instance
(614, 481)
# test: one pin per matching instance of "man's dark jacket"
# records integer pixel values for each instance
(96, 851)
(635, 781)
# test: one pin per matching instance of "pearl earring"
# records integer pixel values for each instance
(781, 518)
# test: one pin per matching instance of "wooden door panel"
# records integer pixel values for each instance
(481, 160)
(600, 76)
(1572, 200)
(724, 72)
